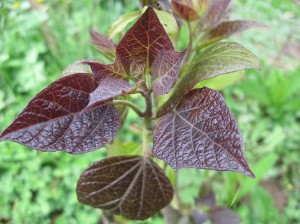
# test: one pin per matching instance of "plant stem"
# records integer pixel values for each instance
(148, 112)
(131, 105)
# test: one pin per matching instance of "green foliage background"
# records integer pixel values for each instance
(37, 43)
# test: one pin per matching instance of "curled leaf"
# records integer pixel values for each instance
(201, 133)
(56, 119)
(165, 69)
(132, 186)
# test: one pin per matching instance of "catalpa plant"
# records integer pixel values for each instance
(84, 110)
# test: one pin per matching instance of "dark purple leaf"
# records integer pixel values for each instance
(144, 40)
(132, 186)
(201, 133)
(218, 59)
(223, 215)
(229, 28)
(102, 43)
(165, 69)
(184, 11)
(54, 119)
(214, 13)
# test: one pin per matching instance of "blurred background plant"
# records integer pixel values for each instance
(39, 38)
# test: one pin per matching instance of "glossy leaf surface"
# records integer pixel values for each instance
(184, 11)
(102, 43)
(201, 133)
(218, 59)
(165, 70)
(229, 28)
(54, 119)
(216, 10)
(127, 185)
(144, 40)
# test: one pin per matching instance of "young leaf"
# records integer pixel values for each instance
(110, 80)
(131, 186)
(102, 43)
(184, 11)
(54, 119)
(218, 59)
(144, 40)
(229, 28)
(165, 69)
(201, 133)
(214, 13)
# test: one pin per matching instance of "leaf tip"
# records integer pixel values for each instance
(250, 174)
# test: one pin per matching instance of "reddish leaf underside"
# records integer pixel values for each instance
(214, 13)
(165, 70)
(54, 119)
(228, 28)
(184, 11)
(102, 43)
(143, 41)
(201, 133)
(131, 186)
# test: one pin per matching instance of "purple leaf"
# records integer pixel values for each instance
(229, 28)
(102, 43)
(144, 40)
(201, 133)
(214, 13)
(132, 186)
(54, 119)
(165, 69)
(184, 11)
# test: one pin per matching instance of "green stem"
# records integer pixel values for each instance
(131, 105)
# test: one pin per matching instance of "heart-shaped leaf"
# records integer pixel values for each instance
(214, 13)
(54, 119)
(229, 28)
(218, 59)
(103, 43)
(184, 11)
(165, 69)
(131, 186)
(201, 133)
(144, 40)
